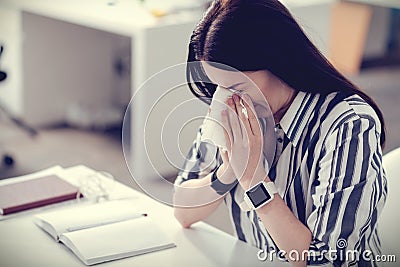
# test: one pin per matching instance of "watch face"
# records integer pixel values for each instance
(258, 195)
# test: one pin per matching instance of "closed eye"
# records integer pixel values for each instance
(235, 91)
(234, 86)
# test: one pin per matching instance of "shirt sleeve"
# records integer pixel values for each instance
(201, 160)
(348, 194)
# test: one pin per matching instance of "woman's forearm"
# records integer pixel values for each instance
(285, 229)
(189, 215)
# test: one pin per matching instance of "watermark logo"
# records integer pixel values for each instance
(340, 254)
(341, 243)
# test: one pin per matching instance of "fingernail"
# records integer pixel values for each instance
(230, 101)
(235, 97)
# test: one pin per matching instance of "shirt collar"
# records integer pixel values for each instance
(296, 117)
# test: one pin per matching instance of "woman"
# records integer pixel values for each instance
(327, 182)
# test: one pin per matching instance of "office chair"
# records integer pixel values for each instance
(388, 221)
(7, 159)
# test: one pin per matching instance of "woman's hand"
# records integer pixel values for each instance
(244, 141)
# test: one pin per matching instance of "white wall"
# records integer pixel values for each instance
(52, 64)
(315, 21)
(64, 64)
(375, 45)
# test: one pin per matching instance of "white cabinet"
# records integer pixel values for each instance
(11, 60)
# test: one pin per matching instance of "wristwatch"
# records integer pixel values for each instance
(258, 195)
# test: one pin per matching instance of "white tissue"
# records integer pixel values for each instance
(212, 129)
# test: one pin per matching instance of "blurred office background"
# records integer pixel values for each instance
(72, 67)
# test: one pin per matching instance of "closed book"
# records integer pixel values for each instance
(35, 193)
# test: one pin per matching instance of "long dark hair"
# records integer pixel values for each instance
(251, 35)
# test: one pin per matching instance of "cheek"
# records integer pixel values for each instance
(257, 96)
(260, 102)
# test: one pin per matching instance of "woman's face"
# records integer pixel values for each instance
(262, 86)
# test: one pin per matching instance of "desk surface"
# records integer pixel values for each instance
(23, 244)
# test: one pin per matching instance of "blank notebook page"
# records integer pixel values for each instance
(112, 241)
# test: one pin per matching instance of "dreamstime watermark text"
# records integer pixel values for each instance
(340, 254)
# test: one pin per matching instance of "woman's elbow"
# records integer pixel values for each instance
(181, 218)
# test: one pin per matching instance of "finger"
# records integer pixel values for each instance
(243, 116)
(253, 120)
(224, 156)
(234, 120)
(227, 129)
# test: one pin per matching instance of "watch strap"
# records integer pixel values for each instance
(244, 206)
(220, 187)
(271, 188)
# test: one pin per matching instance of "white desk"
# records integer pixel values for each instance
(23, 244)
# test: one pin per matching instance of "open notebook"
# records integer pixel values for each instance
(104, 231)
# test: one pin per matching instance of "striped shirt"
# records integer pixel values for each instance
(328, 170)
